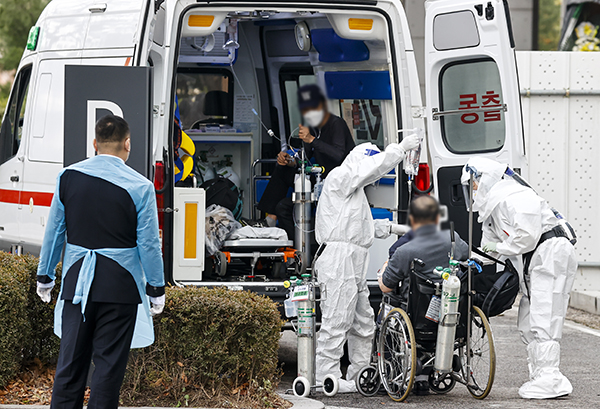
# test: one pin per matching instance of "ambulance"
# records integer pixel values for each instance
(230, 70)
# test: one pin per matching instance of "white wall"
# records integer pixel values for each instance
(563, 146)
(522, 18)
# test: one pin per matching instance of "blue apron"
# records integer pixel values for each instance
(114, 170)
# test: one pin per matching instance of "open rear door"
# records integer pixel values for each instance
(189, 234)
(472, 93)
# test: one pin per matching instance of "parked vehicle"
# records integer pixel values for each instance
(232, 69)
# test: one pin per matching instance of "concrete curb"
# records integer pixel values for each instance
(297, 402)
(302, 403)
(588, 301)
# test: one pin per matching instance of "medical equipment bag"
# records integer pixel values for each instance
(495, 292)
(223, 192)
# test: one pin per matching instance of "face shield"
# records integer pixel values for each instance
(465, 180)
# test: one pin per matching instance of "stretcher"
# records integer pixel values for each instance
(274, 252)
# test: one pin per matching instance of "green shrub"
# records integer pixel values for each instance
(208, 342)
(43, 344)
(26, 323)
(14, 325)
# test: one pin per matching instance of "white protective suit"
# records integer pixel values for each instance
(344, 222)
(515, 217)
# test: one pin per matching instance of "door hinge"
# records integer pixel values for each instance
(418, 112)
(98, 8)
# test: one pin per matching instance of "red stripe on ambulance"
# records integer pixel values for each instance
(19, 197)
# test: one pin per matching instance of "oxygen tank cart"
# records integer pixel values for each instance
(303, 295)
(303, 198)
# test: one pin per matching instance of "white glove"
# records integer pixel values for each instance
(158, 305)
(410, 142)
(490, 247)
(400, 229)
(382, 228)
(44, 290)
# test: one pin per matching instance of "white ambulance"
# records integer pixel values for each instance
(230, 67)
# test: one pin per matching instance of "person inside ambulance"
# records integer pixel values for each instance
(518, 222)
(429, 244)
(326, 140)
(345, 226)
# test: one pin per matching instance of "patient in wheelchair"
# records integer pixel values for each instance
(431, 245)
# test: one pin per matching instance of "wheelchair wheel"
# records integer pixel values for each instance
(483, 356)
(397, 363)
(367, 381)
(220, 264)
(441, 385)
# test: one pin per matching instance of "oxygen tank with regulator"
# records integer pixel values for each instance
(448, 318)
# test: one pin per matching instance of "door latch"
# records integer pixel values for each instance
(436, 113)
(168, 210)
(14, 178)
(489, 11)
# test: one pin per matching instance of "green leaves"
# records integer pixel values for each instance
(209, 343)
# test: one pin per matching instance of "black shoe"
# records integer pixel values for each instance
(421, 388)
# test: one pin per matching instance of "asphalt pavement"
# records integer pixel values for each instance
(580, 363)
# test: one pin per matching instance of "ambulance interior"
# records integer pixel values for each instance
(237, 77)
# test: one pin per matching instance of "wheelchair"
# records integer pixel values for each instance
(405, 341)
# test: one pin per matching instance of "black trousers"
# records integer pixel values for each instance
(275, 201)
(105, 336)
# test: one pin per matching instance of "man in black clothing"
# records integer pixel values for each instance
(326, 141)
(105, 213)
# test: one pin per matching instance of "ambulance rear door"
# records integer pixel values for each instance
(472, 93)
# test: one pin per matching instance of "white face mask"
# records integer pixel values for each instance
(313, 118)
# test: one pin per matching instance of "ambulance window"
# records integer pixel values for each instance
(12, 126)
(205, 97)
(364, 119)
(290, 82)
(469, 85)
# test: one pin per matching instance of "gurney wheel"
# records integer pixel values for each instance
(301, 387)
(220, 264)
(331, 385)
(368, 381)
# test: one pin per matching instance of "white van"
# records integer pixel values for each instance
(137, 58)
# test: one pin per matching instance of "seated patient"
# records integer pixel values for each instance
(431, 245)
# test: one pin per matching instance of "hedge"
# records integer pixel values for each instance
(209, 342)
(26, 323)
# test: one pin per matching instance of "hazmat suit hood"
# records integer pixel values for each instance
(487, 173)
(360, 152)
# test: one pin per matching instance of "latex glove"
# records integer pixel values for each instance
(382, 228)
(400, 229)
(44, 290)
(410, 143)
(490, 247)
(158, 305)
